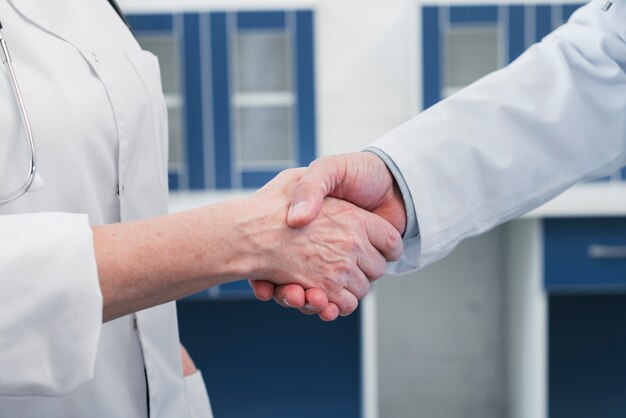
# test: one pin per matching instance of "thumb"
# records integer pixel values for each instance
(306, 203)
(308, 195)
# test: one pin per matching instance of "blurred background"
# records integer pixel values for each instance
(525, 321)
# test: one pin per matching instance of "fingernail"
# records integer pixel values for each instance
(297, 209)
(308, 306)
(285, 302)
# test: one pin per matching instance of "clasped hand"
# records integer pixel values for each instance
(345, 217)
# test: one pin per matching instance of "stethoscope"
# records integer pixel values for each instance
(32, 163)
(17, 94)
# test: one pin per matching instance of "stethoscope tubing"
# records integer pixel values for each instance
(17, 94)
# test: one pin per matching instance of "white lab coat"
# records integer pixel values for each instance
(518, 137)
(99, 121)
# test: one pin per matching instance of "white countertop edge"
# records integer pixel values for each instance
(584, 200)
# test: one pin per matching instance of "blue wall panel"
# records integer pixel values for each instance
(305, 74)
(473, 14)
(515, 32)
(151, 22)
(261, 360)
(543, 21)
(255, 179)
(221, 101)
(193, 102)
(431, 56)
(260, 20)
(587, 356)
(568, 10)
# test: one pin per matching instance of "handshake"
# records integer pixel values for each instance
(322, 234)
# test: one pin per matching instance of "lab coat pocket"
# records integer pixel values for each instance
(197, 397)
(146, 65)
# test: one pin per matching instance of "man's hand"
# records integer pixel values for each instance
(360, 178)
(335, 256)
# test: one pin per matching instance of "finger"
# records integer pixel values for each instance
(371, 263)
(329, 314)
(263, 290)
(290, 296)
(345, 301)
(358, 284)
(308, 195)
(383, 236)
(316, 300)
(319, 302)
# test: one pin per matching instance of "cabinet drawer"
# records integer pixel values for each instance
(585, 254)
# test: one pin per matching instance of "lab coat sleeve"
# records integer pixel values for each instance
(50, 304)
(516, 138)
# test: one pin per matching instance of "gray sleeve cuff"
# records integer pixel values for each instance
(412, 227)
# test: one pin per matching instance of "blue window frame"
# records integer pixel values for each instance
(241, 108)
(222, 137)
(516, 26)
(178, 35)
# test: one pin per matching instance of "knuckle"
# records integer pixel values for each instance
(394, 241)
(350, 306)
(379, 269)
(364, 289)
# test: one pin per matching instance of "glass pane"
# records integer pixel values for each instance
(262, 61)
(264, 134)
(174, 117)
(471, 54)
(166, 48)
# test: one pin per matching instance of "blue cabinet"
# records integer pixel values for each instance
(586, 355)
(261, 360)
(240, 91)
(585, 255)
(585, 280)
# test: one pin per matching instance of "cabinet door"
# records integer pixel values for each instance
(261, 360)
(585, 255)
(587, 356)
(585, 277)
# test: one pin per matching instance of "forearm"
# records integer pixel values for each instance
(146, 263)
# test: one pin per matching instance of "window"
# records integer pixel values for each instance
(462, 43)
(471, 53)
(240, 93)
(264, 95)
(263, 100)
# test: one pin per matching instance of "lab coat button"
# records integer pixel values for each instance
(119, 190)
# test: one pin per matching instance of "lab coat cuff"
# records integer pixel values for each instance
(412, 227)
(51, 304)
(420, 249)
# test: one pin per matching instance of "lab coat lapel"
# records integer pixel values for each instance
(65, 19)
